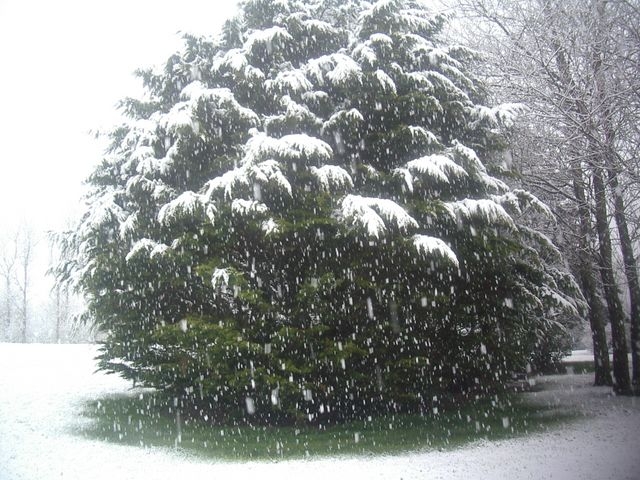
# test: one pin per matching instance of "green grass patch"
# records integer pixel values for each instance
(148, 420)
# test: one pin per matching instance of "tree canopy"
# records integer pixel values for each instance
(303, 220)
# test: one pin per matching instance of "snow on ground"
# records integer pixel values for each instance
(579, 356)
(43, 386)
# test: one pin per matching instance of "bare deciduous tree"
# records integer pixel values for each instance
(25, 248)
(575, 64)
(8, 260)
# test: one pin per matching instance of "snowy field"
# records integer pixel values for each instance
(42, 388)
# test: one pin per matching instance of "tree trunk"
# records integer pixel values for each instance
(8, 258)
(8, 309)
(609, 156)
(25, 278)
(622, 384)
(25, 258)
(589, 286)
(62, 310)
(631, 272)
(58, 315)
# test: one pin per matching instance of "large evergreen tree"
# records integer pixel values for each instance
(299, 222)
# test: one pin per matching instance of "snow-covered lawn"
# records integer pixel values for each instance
(42, 389)
(579, 356)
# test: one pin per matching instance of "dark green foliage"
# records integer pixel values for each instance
(297, 224)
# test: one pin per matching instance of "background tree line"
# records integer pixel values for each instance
(575, 65)
(31, 307)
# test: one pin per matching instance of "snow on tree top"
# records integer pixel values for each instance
(266, 37)
(365, 54)
(259, 147)
(129, 225)
(315, 96)
(366, 51)
(437, 56)
(381, 38)
(379, 7)
(148, 246)
(501, 115)
(438, 167)
(493, 183)
(188, 204)
(104, 210)
(484, 209)
(418, 132)
(338, 68)
(227, 182)
(559, 299)
(320, 26)
(180, 115)
(371, 214)
(477, 169)
(264, 172)
(302, 145)
(290, 147)
(235, 59)
(269, 171)
(332, 176)
(416, 19)
(446, 83)
(427, 245)
(244, 207)
(294, 110)
(341, 117)
(386, 82)
(293, 80)
(237, 62)
(150, 165)
(141, 133)
(345, 70)
(196, 92)
(141, 153)
(140, 183)
(413, 19)
(421, 82)
(518, 200)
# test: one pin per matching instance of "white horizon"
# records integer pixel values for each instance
(65, 66)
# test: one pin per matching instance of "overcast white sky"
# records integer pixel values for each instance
(63, 66)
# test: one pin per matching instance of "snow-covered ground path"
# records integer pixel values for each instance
(42, 388)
